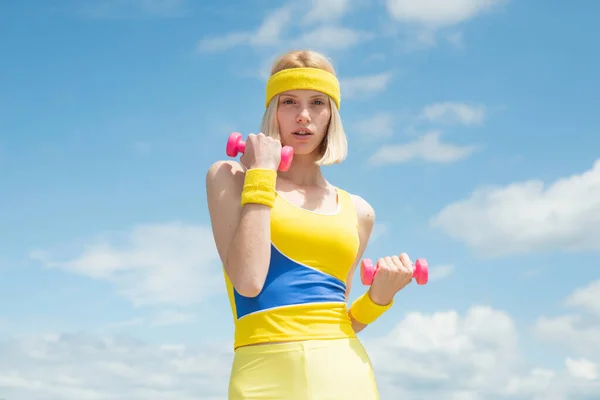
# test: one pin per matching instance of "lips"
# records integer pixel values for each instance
(302, 132)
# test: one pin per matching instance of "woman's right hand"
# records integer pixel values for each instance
(261, 152)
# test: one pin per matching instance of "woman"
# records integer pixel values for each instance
(290, 243)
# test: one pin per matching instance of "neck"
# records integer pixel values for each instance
(304, 172)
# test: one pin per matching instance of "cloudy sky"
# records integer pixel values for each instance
(474, 133)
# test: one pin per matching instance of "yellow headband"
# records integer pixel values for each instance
(303, 78)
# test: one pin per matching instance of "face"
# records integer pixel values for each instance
(303, 117)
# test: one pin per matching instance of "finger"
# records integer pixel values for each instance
(381, 263)
(396, 261)
(389, 263)
(406, 262)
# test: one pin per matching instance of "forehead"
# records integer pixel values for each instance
(303, 93)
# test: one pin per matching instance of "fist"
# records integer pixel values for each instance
(261, 152)
(393, 274)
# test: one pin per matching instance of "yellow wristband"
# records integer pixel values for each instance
(365, 311)
(259, 186)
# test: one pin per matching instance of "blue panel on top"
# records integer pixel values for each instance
(290, 283)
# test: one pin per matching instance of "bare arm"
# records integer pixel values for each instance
(366, 221)
(242, 234)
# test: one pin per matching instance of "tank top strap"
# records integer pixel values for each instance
(347, 209)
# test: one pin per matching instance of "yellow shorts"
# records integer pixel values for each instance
(337, 369)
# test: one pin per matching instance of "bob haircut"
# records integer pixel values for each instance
(334, 147)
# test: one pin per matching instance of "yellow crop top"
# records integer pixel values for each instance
(304, 293)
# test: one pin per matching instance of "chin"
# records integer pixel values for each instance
(302, 148)
(306, 152)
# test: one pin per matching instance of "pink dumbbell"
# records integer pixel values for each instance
(368, 271)
(236, 145)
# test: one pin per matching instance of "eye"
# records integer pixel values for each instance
(319, 102)
(287, 101)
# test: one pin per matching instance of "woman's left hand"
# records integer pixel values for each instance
(393, 274)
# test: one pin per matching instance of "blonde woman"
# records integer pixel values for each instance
(290, 243)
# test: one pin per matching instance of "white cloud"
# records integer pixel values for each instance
(528, 216)
(293, 25)
(375, 127)
(272, 27)
(580, 330)
(582, 368)
(269, 33)
(162, 318)
(454, 112)
(586, 298)
(330, 37)
(531, 383)
(571, 331)
(440, 272)
(172, 317)
(427, 148)
(171, 263)
(225, 42)
(438, 13)
(326, 11)
(424, 19)
(78, 367)
(579, 334)
(447, 356)
(443, 355)
(368, 85)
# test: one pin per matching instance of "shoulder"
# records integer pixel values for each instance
(224, 174)
(365, 214)
(364, 211)
(224, 170)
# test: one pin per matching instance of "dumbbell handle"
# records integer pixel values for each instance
(235, 145)
(368, 271)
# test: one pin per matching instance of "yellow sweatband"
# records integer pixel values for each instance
(259, 186)
(365, 311)
(303, 78)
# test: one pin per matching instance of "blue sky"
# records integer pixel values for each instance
(473, 131)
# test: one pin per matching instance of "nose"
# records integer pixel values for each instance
(303, 116)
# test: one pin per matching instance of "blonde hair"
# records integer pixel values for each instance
(334, 147)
